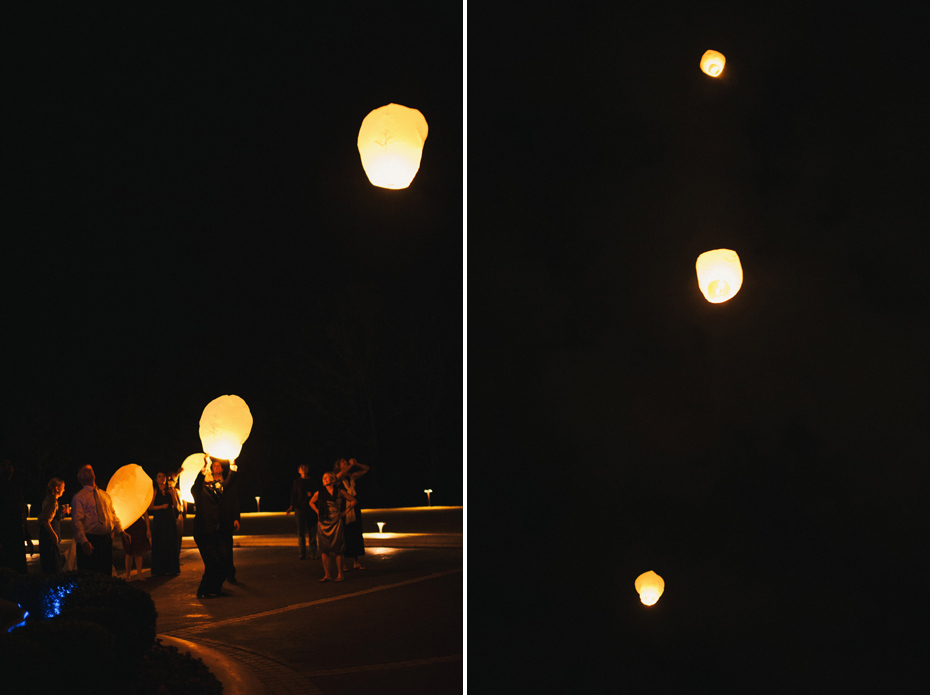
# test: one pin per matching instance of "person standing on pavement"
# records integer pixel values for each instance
(330, 505)
(355, 542)
(306, 517)
(94, 521)
(208, 492)
(50, 527)
(164, 529)
(229, 516)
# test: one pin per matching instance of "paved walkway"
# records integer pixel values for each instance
(394, 627)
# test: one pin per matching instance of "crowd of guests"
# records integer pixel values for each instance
(329, 524)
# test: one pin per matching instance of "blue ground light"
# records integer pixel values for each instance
(25, 616)
(53, 599)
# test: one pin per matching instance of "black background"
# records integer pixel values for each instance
(185, 216)
(767, 456)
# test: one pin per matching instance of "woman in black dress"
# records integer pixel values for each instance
(165, 550)
(347, 472)
(331, 504)
(50, 528)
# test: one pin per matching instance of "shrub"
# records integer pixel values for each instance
(45, 652)
(127, 612)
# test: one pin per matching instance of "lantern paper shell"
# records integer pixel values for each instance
(712, 63)
(224, 426)
(649, 586)
(720, 275)
(132, 492)
(192, 465)
(390, 143)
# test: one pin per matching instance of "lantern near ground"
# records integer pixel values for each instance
(192, 465)
(712, 63)
(649, 586)
(132, 492)
(390, 143)
(719, 274)
(224, 426)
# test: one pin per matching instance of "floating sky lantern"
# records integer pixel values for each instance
(720, 274)
(390, 143)
(712, 63)
(224, 426)
(649, 586)
(132, 492)
(192, 465)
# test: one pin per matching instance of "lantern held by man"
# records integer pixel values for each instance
(192, 465)
(712, 63)
(132, 491)
(224, 426)
(719, 274)
(390, 143)
(649, 586)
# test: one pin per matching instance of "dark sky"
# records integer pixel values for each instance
(185, 216)
(767, 456)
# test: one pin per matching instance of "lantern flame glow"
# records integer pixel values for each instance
(390, 144)
(192, 465)
(720, 275)
(712, 63)
(649, 586)
(224, 426)
(132, 492)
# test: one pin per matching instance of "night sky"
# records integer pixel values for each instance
(767, 456)
(185, 216)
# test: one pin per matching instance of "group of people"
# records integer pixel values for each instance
(94, 522)
(330, 518)
(329, 523)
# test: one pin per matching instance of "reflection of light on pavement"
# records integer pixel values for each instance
(381, 551)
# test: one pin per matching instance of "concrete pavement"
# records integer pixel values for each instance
(395, 627)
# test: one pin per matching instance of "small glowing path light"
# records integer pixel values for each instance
(224, 426)
(712, 63)
(132, 492)
(719, 274)
(390, 143)
(649, 586)
(428, 503)
(380, 527)
(258, 504)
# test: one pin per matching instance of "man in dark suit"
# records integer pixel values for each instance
(209, 492)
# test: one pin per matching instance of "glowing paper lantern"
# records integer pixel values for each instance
(224, 427)
(649, 586)
(720, 274)
(192, 465)
(712, 63)
(132, 492)
(390, 143)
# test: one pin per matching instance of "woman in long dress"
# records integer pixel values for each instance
(165, 551)
(50, 528)
(140, 542)
(331, 504)
(355, 542)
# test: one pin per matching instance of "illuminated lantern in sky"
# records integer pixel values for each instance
(192, 465)
(390, 143)
(712, 63)
(720, 274)
(649, 586)
(224, 427)
(132, 492)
